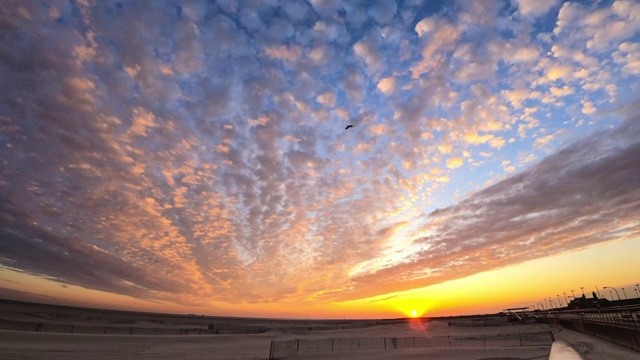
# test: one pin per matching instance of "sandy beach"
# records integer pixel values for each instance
(57, 345)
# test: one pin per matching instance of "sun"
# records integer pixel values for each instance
(414, 313)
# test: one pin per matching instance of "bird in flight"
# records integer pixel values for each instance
(349, 127)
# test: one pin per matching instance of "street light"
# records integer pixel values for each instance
(637, 294)
(614, 289)
(638, 289)
(565, 298)
(573, 295)
(559, 302)
(552, 302)
(582, 288)
(545, 304)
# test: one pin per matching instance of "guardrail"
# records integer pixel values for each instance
(618, 325)
(620, 316)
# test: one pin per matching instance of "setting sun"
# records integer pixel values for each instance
(414, 313)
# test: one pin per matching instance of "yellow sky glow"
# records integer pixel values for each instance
(522, 285)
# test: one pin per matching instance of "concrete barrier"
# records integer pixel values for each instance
(623, 335)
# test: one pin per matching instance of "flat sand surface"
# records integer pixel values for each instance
(50, 345)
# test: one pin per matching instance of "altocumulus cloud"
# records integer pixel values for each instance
(194, 152)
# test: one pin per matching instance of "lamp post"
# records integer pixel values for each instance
(559, 302)
(637, 294)
(582, 288)
(573, 295)
(565, 298)
(552, 302)
(638, 289)
(625, 294)
(614, 289)
(545, 304)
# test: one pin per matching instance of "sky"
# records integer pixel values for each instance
(192, 157)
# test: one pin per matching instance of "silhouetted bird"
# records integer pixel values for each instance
(349, 127)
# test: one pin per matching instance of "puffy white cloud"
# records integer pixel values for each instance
(628, 55)
(588, 108)
(442, 37)
(563, 91)
(327, 99)
(378, 129)
(535, 8)
(382, 11)
(387, 85)
(287, 53)
(454, 162)
(369, 50)
(516, 96)
(425, 26)
(525, 55)
(558, 71)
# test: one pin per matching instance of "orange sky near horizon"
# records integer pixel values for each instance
(613, 264)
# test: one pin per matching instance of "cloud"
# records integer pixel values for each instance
(558, 71)
(378, 129)
(203, 142)
(327, 99)
(442, 36)
(382, 11)
(387, 85)
(535, 8)
(588, 108)
(454, 162)
(287, 53)
(547, 209)
(516, 97)
(325, 7)
(628, 56)
(368, 49)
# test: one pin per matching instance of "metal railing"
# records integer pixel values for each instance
(629, 316)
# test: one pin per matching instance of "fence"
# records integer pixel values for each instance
(281, 349)
(127, 330)
(620, 316)
(494, 321)
(618, 325)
